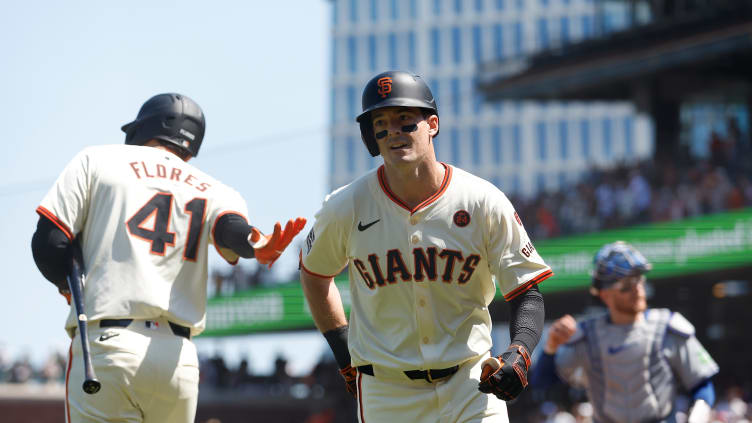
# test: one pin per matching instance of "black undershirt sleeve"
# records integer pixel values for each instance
(50, 248)
(232, 232)
(526, 318)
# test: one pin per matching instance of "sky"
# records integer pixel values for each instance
(72, 73)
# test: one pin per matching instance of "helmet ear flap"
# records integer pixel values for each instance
(366, 134)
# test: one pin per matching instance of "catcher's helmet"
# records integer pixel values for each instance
(392, 88)
(171, 117)
(615, 261)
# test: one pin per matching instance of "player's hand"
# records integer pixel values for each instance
(506, 375)
(560, 331)
(268, 248)
(351, 376)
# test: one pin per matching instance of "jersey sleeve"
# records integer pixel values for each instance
(512, 257)
(67, 202)
(325, 251)
(689, 360)
(226, 202)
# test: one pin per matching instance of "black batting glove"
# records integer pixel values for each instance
(351, 379)
(506, 375)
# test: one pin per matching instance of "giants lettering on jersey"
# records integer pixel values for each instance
(159, 170)
(428, 263)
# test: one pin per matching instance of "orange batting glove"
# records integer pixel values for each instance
(268, 248)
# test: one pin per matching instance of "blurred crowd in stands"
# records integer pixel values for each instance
(656, 190)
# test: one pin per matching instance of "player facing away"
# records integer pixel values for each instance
(144, 218)
(631, 361)
(423, 242)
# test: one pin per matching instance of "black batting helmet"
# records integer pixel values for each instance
(392, 88)
(170, 117)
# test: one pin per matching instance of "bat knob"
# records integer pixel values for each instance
(91, 386)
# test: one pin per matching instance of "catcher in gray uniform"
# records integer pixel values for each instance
(633, 360)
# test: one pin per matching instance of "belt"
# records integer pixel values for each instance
(430, 375)
(177, 329)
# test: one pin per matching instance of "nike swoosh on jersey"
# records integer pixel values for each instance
(107, 336)
(362, 227)
(617, 349)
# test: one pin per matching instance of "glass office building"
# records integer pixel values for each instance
(522, 147)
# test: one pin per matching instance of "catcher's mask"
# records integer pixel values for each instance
(392, 88)
(170, 117)
(616, 261)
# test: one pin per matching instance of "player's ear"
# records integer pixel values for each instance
(433, 125)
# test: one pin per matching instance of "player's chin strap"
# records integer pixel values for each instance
(699, 413)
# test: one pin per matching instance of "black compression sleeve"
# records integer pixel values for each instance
(49, 246)
(526, 319)
(232, 232)
(337, 339)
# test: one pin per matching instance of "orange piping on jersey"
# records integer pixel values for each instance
(435, 196)
(314, 273)
(59, 223)
(529, 284)
(67, 376)
(360, 396)
(214, 227)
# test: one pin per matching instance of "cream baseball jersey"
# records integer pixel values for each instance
(154, 215)
(421, 279)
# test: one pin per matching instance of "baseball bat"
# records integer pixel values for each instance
(76, 283)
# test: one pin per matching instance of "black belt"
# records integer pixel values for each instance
(430, 375)
(177, 329)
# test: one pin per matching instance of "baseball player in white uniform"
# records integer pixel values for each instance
(633, 360)
(423, 242)
(144, 218)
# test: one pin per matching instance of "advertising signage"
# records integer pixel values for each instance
(719, 241)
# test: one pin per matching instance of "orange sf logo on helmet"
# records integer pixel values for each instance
(385, 86)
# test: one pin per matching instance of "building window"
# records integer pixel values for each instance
(413, 9)
(437, 7)
(477, 97)
(499, 4)
(353, 11)
(434, 85)
(629, 137)
(543, 40)
(479, 6)
(352, 54)
(411, 48)
(587, 26)
(564, 28)
(516, 143)
(335, 12)
(475, 136)
(352, 101)
(335, 56)
(374, 10)
(455, 135)
(458, 7)
(457, 44)
(540, 182)
(350, 155)
(373, 52)
(498, 37)
(516, 186)
(496, 181)
(333, 149)
(333, 106)
(435, 46)
(608, 150)
(540, 134)
(456, 96)
(392, 41)
(496, 144)
(394, 9)
(517, 38)
(477, 44)
(585, 136)
(564, 139)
